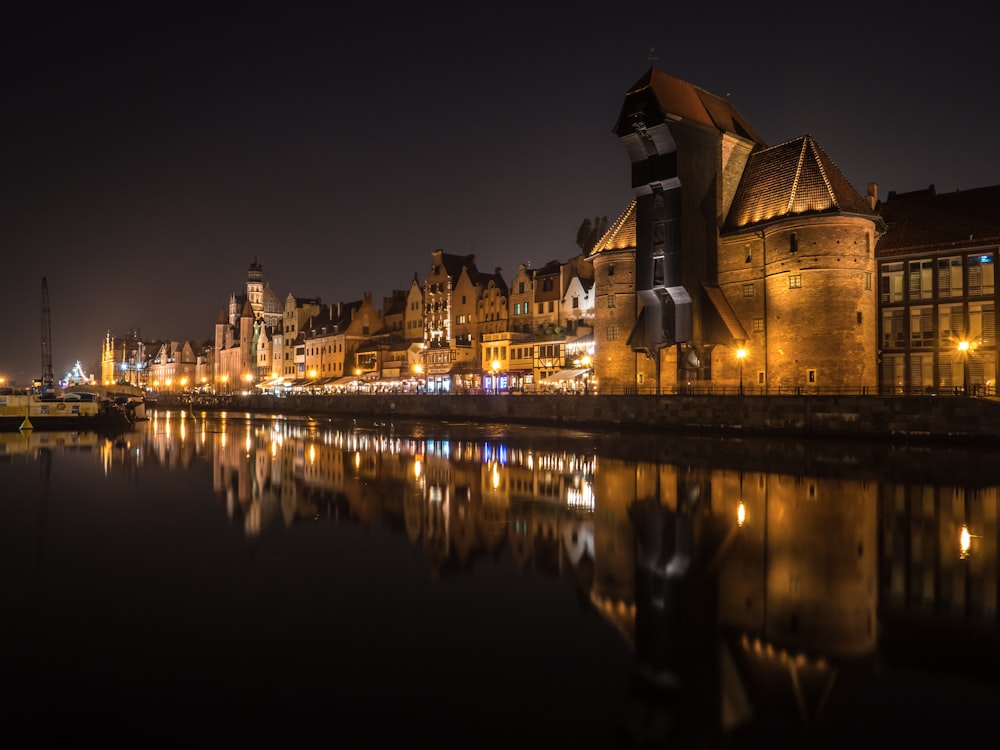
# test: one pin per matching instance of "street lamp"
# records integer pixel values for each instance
(741, 354)
(496, 368)
(418, 370)
(963, 352)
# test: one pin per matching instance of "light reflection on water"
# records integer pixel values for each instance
(721, 591)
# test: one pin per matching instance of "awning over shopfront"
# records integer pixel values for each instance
(563, 375)
(345, 382)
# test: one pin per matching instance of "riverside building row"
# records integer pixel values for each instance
(737, 267)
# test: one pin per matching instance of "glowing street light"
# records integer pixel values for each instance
(741, 354)
(495, 365)
(964, 542)
(963, 351)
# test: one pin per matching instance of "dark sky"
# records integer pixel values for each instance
(151, 151)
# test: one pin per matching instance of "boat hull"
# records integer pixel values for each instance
(27, 411)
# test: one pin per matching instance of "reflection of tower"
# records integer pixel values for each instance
(799, 591)
(675, 689)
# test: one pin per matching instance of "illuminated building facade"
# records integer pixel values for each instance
(938, 291)
(731, 244)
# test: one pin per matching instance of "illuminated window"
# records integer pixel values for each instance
(981, 276)
(949, 277)
(611, 301)
(921, 327)
(612, 333)
(891, 282)
(795, 281)
(748, 290)
(758, 325)
(920, 279)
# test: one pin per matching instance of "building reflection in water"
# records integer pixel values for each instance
(743, 592)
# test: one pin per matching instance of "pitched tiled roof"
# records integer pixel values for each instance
(453, 265)
(620, 235)
(795, 178)
(925, 220)
(679, 99)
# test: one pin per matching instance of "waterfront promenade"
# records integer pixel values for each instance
(892, 418)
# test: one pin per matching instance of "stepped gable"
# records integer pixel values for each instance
(925, 219)
(795, 178)
(620, 235)
(478, 277)
(680, 100)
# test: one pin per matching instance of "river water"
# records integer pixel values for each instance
(227, 577)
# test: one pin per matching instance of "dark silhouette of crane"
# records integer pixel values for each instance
(47, 386)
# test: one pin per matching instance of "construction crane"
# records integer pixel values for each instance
(48, 383)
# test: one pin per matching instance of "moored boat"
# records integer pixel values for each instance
(29, 411)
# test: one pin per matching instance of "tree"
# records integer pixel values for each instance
(590, 232)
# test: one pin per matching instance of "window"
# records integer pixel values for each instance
(748, 290)
(793, 243)
(748, 254)
(982, 323)
(949, 277)
(576, 303)
(611, 269)
(811, 376)
(520, 287)
(951, 325)
(868, 280)
(795, 281)
(921, 274)
(612, 333)
(981, 277)
(611, 301)
(541, 308)
(551, 303)
(758, 325)
(921, 327)
(891, 282)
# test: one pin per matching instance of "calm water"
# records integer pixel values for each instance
(208, 578)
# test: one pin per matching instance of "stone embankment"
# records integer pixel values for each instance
(903, 419)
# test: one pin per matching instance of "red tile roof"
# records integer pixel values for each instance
(795, 178)
(924, 220)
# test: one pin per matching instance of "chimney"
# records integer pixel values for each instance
(872, 197)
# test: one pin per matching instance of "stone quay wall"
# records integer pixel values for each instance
(904, 418)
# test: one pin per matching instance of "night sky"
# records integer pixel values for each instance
(151, 151)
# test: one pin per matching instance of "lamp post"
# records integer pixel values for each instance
(495, 365)
(963, 352)
(418, 370)
(741, 354)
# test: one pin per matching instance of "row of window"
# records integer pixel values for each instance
(944, 277)
(945, 328)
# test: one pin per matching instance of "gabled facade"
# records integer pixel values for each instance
(521, 300)
(413, 317)
(451, 332)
